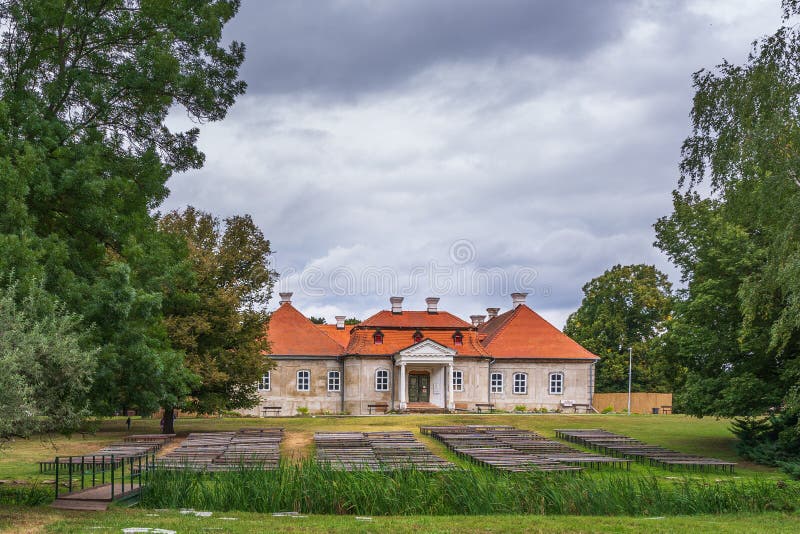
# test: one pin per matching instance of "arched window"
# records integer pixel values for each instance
(377, 337)
(381, 380)
(497, 382)
(417, 336)
(520, 384)
(334, 381)
(556, 383)
(458, 338)
(263, 384)
(304, 380)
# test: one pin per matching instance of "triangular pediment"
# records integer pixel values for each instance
(428, 347)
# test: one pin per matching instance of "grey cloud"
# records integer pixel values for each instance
(348, 47)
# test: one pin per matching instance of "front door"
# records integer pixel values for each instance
(419, 388)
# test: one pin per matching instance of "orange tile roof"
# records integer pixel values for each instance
(340, 336)
(523, 333)
(395, 340)
(290, 333)
(415, 319)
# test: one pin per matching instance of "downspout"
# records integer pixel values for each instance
(591, 387)
(393, 386)
(343, 384)
(489, 383)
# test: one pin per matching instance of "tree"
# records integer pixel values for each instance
(46, 364)
(317, 320)
(218, 316)
(737, 322)
(85, 88)
(626, 307)
(352, 321)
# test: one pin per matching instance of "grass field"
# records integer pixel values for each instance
(710, 437)
(19, 519)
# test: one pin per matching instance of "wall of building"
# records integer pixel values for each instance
(476, 382)
(577, 376)
(283, 388)
(359, 377)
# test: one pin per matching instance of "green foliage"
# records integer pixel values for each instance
(47, 366)
(352, 321)
(85, 155)
(26, 495)
(217, 316)
(317, 320)
(737, 322)
(627, 306)
(318, 489)
(302, 410)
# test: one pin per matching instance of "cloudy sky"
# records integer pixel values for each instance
(457, 148)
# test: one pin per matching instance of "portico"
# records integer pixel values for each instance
(425, 374)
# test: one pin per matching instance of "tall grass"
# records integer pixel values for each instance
(315, 488)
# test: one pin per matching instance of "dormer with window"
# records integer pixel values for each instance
(418, 336)
(458, 338)
(377, 337)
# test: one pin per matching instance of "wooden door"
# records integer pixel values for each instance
(419, 388)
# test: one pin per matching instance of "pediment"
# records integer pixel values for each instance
(429, 348)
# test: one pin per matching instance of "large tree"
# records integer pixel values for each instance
(736, 239)
(85, 88)
(217, 317)
(627, 307)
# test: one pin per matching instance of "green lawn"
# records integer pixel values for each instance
(709, 437)
(16, 519)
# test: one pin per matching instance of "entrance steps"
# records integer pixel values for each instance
(424, 407)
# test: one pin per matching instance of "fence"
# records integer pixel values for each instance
(119, 474)
(640, 402)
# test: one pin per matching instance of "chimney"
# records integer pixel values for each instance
(286, 298)
(492, 312)
(340, 321)
(477, 320)
(517, 299)
(397, 304)
(433, 303)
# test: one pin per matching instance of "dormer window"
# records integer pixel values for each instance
(417, 336)
(377, 337)
(458, 338)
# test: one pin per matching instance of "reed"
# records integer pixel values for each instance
(311, 487)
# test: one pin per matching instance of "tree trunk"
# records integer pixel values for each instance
(169, 420)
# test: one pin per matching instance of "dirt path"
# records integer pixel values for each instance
(296, 446)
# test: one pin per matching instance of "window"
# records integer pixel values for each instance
(334, 382)
(458, 338)
(520, 383)
(458, 380)
(381, 380)
(377, 337)
(303, 380)
(556, 383)
(417, 336)
(497, 382)
(263, 384)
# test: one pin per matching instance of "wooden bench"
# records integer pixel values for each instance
(274, 410)
(379, 406)
(666, 410)
(484, 406)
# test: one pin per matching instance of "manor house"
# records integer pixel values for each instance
(423, 360)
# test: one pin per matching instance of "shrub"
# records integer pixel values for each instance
(608, 409)
(520, 408)
(302, 410)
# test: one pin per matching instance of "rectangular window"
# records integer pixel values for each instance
(263, 384)
(497, 382)
(556, 383)
(303, 380)
(520, 383)
(458, 380)
(382, 380)
(334, 383)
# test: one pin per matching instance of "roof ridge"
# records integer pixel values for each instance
(327, 334)
(496, 334)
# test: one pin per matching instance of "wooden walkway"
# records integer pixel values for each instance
(95, 499)
(624, 446)
(376, 451)
(509, 449)
(224, 451)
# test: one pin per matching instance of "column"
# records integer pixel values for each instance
(402, 396)
(451, 405)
